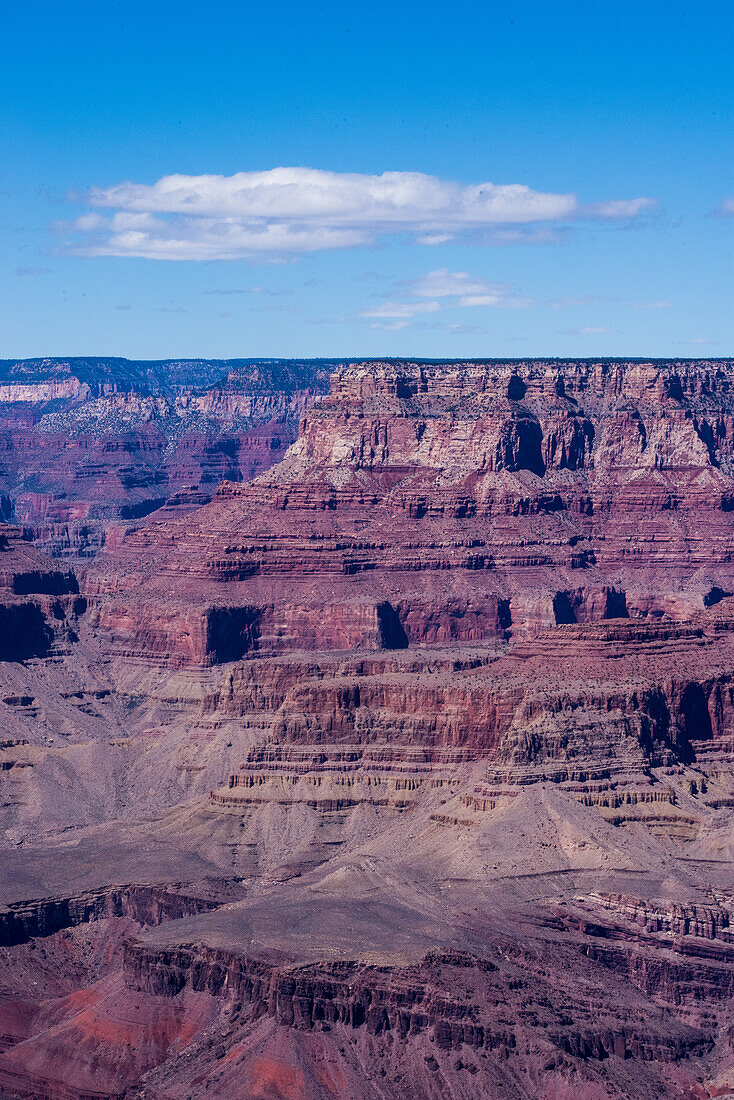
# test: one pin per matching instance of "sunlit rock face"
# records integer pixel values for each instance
(404, 769)
(451, 503)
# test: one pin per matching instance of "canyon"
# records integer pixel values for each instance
(87, 444)
(368, 729)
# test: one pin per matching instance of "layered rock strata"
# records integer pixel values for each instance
(40, 603)
(86, 445)
(442, 705)
(462, 503)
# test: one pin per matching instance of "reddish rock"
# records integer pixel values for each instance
(85, 443)
(405, 769)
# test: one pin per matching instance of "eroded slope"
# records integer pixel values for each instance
(415, 774)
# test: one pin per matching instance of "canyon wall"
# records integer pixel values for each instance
(400, 765)
(453, 503)
(87, 444)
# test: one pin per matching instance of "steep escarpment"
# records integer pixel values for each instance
(463, 503)
(40, 604)
(147, 905)
(405, 769)
(85, 444)
(68, 1027)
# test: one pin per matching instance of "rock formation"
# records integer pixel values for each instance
(405, 769)
(89, 444)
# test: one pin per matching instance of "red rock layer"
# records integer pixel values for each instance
(463, 503)
(39, 602)
(467, 764)
(85, 445)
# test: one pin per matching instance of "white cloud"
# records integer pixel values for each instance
(725, 209)
(400, 309)
(618, 208)
(292, 210)
(433, 238)
(435, 291)
(592, 330)
(212, 239)
(335, 198)
(90, 221)
(443, 283)
(467, 290)
(481, 300)
(390, 326)
(457, 327)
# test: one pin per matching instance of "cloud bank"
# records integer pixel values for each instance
(285, 211)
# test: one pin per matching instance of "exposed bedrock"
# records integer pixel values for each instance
(69, 1030)
(144, 904)
(40, 604)
(217, 634)
(188, 1018)
(445, 695)
(85, 444)
(490, 706)
(704, 921)
(425, 505)
(463, 1001)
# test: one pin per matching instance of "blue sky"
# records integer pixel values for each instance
(295, 179)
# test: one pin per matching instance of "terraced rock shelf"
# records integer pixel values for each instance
(404, 768)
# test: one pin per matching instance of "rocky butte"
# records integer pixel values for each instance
(404, 769)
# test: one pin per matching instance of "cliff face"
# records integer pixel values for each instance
(40, 603)
(457, 503)
(402, 770)
(85, 444)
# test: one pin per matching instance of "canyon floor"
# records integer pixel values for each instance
(393, 759)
